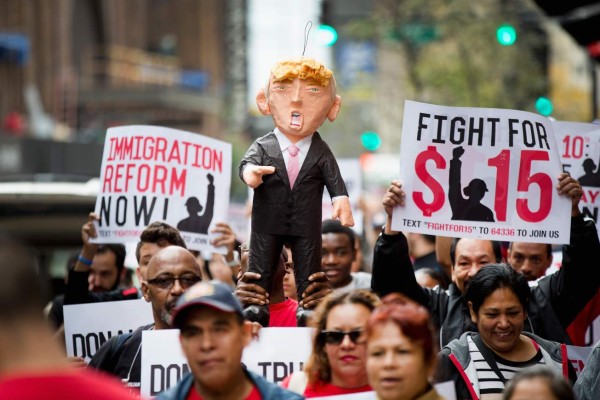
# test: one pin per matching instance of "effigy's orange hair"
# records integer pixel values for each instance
(302, 68)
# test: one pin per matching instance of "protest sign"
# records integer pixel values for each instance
(578, 356)
(481, 173)
(277, 353)
(152, 173)
(579, 149)
(163, 362)
(88, 326)
(352, 175)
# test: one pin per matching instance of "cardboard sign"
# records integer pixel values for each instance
(481, 173)
(579, 149)
(163, 362)
(88, 326)
(151, 173)
(352, 175)
(277, 353)
(578, 357)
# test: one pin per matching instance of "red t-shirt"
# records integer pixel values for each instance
(321, 389)
(62, 385)
(254, 394)
(283, 314)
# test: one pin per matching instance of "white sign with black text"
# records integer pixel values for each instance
(88, 326)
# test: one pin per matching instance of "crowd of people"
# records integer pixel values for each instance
(489, 332)
(430, 313)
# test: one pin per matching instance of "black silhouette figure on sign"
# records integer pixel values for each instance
(469, 208)
(196, 223)
(592, 174)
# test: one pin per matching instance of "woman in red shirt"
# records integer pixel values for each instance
(337, 363)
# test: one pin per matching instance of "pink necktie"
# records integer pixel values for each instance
(293, 164)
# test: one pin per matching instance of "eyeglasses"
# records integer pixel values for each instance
(166, 282)
(337, 337)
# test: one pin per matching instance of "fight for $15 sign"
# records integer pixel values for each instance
(481, 173)
(151, 173)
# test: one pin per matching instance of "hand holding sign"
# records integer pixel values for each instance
(253, 174)
(571, 188)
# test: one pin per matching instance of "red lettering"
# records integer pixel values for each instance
(541, 179)
(118, 176)
(123, 148)
(161, 146)
(160, 177)
(108, 174)
(197, 147)
(218, 160)
(148, 155)
(174, 153)
(207, 158)
(178, 182)
(128, 175)
(436, 188)
(111, 151)
(143, 178)
(186, 145)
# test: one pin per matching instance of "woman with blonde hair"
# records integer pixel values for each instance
(337, 363)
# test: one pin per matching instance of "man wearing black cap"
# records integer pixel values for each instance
(213, 336)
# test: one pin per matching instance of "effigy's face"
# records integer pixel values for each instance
(299, 106)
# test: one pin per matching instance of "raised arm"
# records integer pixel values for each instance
(577, 282)
(392, 268)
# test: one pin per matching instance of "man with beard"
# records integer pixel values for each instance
(170, 272)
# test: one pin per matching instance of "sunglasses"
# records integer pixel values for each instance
(166, 282)
(337, 337)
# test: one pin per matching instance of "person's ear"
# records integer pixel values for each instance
(263, 102)
(472, 312)
(145, 291)
(335, 108)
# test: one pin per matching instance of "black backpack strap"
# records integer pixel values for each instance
(116, 349)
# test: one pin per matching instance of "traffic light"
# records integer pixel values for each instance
(370, 141)
(506, 35)
(544, 106)
(327, 35)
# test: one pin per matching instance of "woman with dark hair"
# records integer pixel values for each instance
(401, 349)
(336, 365)
(538, 382)
(480, 364)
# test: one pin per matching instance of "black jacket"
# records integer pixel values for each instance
(279, 210)
(77, 292)
(122, 356)
(554, 304)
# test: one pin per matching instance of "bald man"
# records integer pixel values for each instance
(172, 270)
